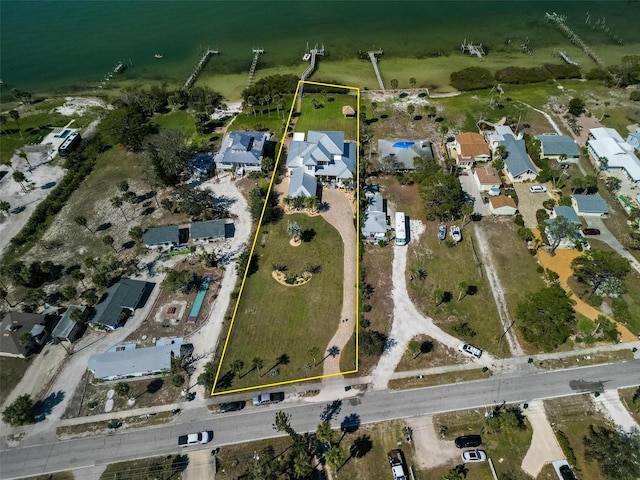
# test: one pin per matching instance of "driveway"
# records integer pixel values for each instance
(470, 186)
(529, 203)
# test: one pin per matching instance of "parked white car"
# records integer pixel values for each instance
(471, 456)
(470, 350)
(537, 189)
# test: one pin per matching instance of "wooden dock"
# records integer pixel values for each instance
(473, 50)
(558, 21)
(314, 52)
(256, 55)
(373, 56)
(196, 71)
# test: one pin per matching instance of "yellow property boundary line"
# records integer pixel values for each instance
(255, 239)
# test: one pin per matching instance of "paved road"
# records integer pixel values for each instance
(44, 455)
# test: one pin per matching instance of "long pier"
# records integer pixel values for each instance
(559, 20)
(314, 52)
(256, 55)
(472, 49)
(196, 71)
(373, 56)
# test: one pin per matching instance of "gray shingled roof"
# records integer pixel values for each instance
(160, 235)
(22, 322)
(126, 293)
(591, 203)
(132, 361)
(558, 144)
(211, 229)
(517, 161)
(404, 156)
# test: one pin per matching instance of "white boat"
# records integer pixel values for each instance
(455, 233)
(442, 232)
(158, 55)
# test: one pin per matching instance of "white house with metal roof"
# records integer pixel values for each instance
(589, 205)
(376, 223)
(322, 154)
(518, 166)
(68, 329)
(634, 140)
(606, 143)
(242, 151)
(558, 147)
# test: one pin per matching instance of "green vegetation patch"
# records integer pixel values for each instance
(446, 378)
(279, 324)
(436, 267)
(584, 360)
(324, 112)
(11, 372)
(156, 467)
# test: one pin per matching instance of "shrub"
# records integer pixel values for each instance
(562, 71)
(635, 96)
(464, 330)
(621, 310)
(549, 204)
(563, 440)
(576, 106)
(552, 276)
(541, 216)
(472, 78)
(594, 300)
(20, 412)
(518, 220)
(520, 75)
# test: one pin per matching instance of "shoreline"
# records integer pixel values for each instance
(430, 72)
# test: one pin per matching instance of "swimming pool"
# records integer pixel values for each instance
(197, 303)
(64, 134)
(404, 145)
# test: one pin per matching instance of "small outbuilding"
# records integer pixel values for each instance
(205, 232)
(161, 237)
(503, 205)
(67, 328)
(348, 111)
(589, 205)
(376, 223)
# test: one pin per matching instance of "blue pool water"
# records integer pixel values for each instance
(404, 145)
(197, 304)
(64, 134)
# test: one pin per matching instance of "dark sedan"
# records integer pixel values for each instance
(232, 406)
(591, 231)
(468, 441)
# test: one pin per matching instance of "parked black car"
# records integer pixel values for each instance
(232, 406)
(591, 231)
(468, 441)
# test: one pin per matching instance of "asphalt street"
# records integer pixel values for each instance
(48, 455)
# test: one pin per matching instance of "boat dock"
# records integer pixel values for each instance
(373, 56)
(473, 50)
(256, 55)
(314, 52)
(567, 60)
(558, 21)
(196, 71)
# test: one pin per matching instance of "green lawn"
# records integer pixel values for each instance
(328, 116)
(166, 466)
(36, 122)
(445, 268)
(274, 320)
(11, 372)
(510, 447)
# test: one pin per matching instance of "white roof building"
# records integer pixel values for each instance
(607, 143)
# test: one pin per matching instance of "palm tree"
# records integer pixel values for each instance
(412, 82)
(117, 203)
(501, 151)
(336, 457)
(251, 102)
(314, 352)
(325, 434)
(26, 340)
(462, 287)
(108, 240)
(414, 348)
(23, 154)
(78, 276)
(256, 364)
(437, 296)
(77, 315)
(123, 186)
(15, 115)
(82, 221)
(237, 366)
(411, 109)
(20, 178)
(4, 295)
(136, 233)
(394, 84)
(5, 206)
(267, 101)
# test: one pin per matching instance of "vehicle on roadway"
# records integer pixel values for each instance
(199, 438)
(470, 350)
(468, 441)
(232, 406)
(267, 398)
(471, 456)
(591, 231)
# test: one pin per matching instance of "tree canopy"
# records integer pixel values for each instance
(442, 195)
(127, 126)
(603, 271)
(170, 156)
(546, 317)
(558, 229)
(20, 412)
(616, 452)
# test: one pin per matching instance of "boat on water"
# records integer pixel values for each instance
(118, 68)
(158, 55)
(306, 57)
(455, 233)
(442, 232)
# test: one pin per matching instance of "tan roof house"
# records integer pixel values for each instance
(487, 178)
(503, 205)
(471, 147)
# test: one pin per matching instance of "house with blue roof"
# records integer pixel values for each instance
(376, 222)
(242, 151)
(161, 237)
(323, 155)
(634, 140)
(590, 205)
(517, 165)
(558, 147)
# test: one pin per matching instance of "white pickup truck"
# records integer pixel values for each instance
(199, 438)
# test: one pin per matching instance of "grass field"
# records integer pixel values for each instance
(11, 372)
(328, 116)
(626, 395)
(445, 268)
(573, 415)
(509, 447)
(281, 323)
(439, 379)
(155, 467)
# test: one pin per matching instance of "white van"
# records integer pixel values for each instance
(537, 189)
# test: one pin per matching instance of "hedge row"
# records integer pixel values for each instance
(476, 78)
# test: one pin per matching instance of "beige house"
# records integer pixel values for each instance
(470, 148)
(487, 178)
(503, 205)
